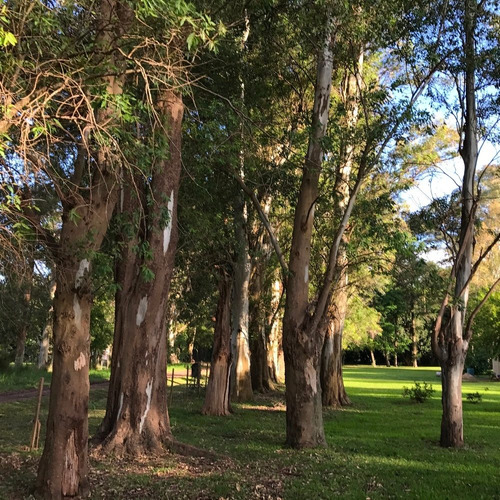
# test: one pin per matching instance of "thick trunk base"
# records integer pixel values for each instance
(217, 393)
(63, 469)
(452, 429)
(332, 382)
(304, 411)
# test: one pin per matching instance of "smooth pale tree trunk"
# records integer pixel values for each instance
(302, 340)
(241, 378)
(260, 316)
(217, 393)
(47, 334)
(275, 355)
(136, 420)
(372, 356)
(414, 343)
(241, 382)
(25, 315)
(450, 341)
(332, 382)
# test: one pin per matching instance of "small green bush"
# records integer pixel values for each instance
(419, 393)
(474, 397)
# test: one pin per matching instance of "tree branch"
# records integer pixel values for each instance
(267, 225)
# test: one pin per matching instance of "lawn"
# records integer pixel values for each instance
(383, 446)
(28, 377)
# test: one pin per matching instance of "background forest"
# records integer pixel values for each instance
(234, 183)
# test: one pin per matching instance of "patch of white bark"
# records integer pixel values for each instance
(149, 390)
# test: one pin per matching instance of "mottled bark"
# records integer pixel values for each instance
(217, 393)
(241, 383)
(332, 382)
(450, 341)
(302, 339)
(136, 419)
(63, 468)
(275, 355)
(261, 314)
(47, 334)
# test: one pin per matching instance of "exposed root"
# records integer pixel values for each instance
(188, 450)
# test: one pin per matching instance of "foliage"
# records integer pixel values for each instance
(362, 324)
(474, 397)
(419, 393)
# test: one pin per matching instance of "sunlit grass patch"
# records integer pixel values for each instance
(383, 446)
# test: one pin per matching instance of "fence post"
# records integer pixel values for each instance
(171, 388)
(35, 436)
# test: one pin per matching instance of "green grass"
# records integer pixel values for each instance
(383, 446)
(28, 377)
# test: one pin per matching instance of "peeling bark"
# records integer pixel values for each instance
(450, 340)
(302, 340)
(136, 420)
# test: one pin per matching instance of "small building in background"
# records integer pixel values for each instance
(496, 367)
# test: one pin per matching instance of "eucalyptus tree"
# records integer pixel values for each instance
(59, 135)
(471, 33)
(381, 121)
(136, 417)
(69, 129)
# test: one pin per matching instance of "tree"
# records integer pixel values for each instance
(217, 394)
(453, 329)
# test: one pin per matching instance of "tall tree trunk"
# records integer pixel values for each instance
(47, 334)
(275, 355)
(260, 315)
(25, 315)
(302, 340)
(332, 382)
(372, 356)
(217, 393)
(450, 342)
(241, 383)
(63, 468)
(241, 379)
(414, 344)
(136, 419)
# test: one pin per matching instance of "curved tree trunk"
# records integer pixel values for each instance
(136, 419)
(217, 393)
(450, 340)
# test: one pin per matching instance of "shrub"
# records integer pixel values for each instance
(474, 397)
(419, 393)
